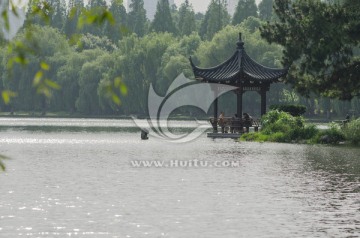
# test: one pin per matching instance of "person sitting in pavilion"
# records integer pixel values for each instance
(235, 124)
(248, 121)
(222, 122)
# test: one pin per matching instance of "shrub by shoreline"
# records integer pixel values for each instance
(279, 126)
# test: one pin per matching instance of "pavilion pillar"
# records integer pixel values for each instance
(215, 109)
(214, 123)
(263, 101)
(239, 94)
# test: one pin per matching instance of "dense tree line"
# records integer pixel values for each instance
(86, 61)
(321, 43)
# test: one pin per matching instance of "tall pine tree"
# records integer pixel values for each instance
(137, 21)
(265, 9)
(96, 7)
(187, 23)
(244, 9)
(47, 12)
(216, 18)
(163, 21)
(116, 31)
(58, 15)
(75, 8)
(38, 12)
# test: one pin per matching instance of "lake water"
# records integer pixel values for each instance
(76, 178)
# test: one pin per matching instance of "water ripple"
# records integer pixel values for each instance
(81, 184)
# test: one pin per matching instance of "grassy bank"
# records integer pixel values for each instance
(282, 127)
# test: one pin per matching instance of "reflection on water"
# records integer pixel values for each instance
(65, 183)
(336, 196)
(342, 161)
(87, 125)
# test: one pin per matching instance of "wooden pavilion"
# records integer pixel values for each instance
(242, 72)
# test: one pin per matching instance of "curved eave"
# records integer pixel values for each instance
(227, 71)
(260, 72)
(238, 67)
(272, 76)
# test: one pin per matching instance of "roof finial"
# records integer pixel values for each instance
(240, 44)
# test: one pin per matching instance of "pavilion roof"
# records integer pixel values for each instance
(238, 68)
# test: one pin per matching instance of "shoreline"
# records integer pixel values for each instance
(129, 117)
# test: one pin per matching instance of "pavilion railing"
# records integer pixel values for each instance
(234, 125)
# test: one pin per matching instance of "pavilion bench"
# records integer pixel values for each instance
(234, 125)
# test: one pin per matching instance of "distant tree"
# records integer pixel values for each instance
(216, 18)
(352, 8)
(96, 3)
(140, 64)
(90, 76)
(42, 18)
(71, 76)
(137, 21)
(72, 18)
(68, 75)
(2, 71)
(187, 23)
(46, 12)
(319, 41)
(116, 31)
(96, 7)
(266, 9)
(244, 9)
(252, 23)
(223, 45)
(89, 41)
(199, 18)
(163, 21)
(49, 45)
(175, 61)
(2, 39)
(58, 15)
(24, 51)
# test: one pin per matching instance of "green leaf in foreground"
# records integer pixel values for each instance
(96, 15)
(44, 66)
(52, 84)
(7, 95)
(2, 165)
(113, 89)
(44, 85)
